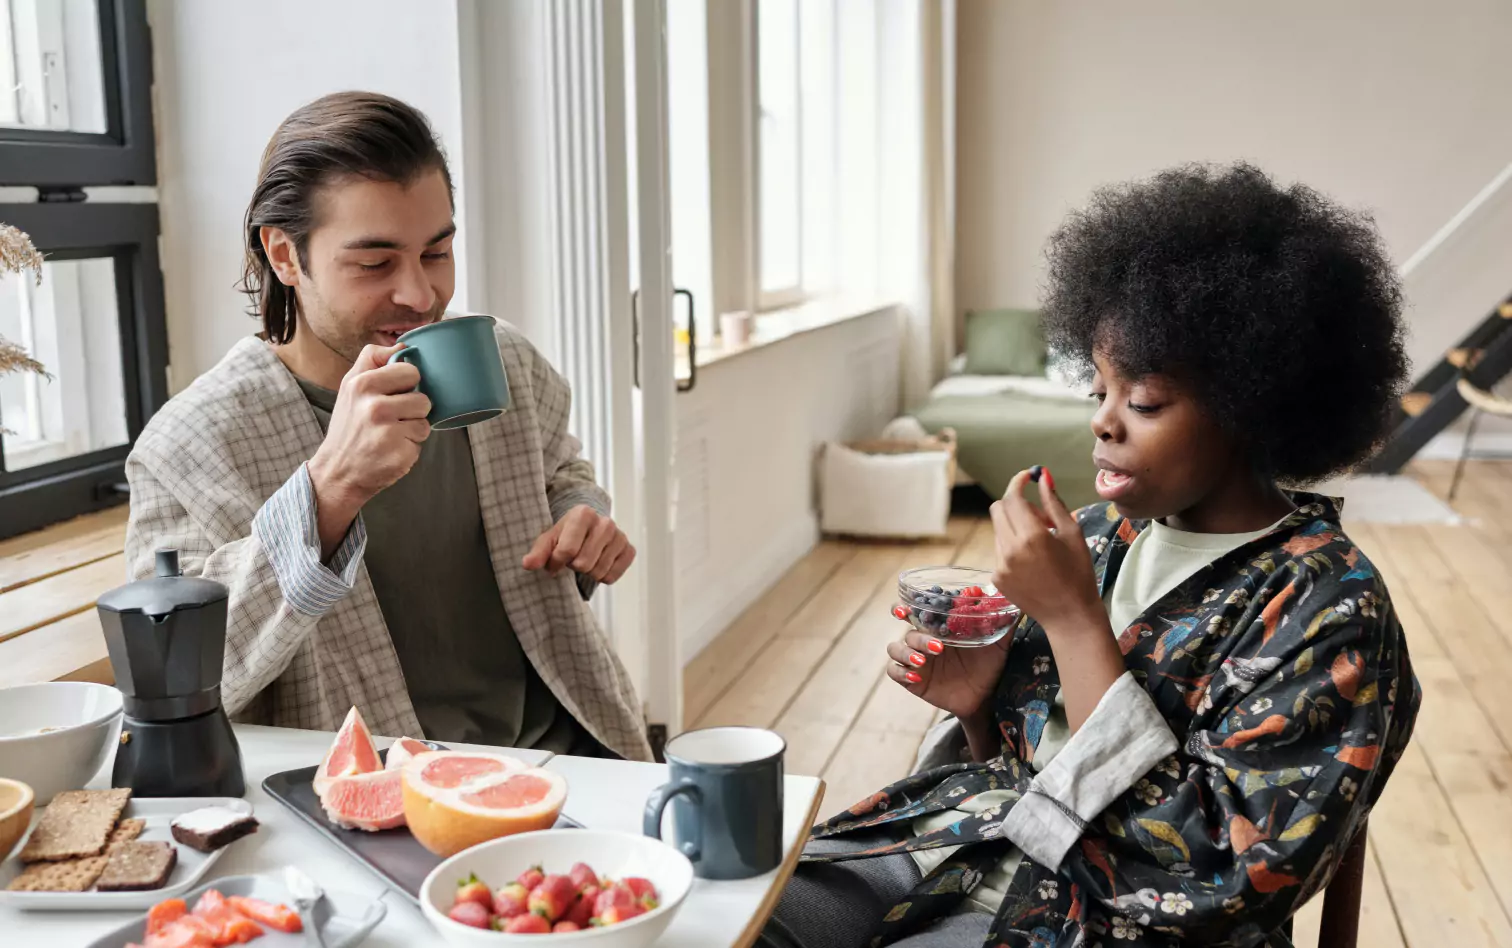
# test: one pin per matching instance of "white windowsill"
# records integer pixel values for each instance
(774, 326)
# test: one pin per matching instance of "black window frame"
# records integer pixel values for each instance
(64, 224)
(123, 154)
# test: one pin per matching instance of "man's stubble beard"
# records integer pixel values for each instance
(330, 330)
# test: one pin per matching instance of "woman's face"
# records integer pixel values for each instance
(1159, 455)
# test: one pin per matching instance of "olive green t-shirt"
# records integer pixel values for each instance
(428, 558)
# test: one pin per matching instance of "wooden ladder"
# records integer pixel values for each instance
(1483, 357)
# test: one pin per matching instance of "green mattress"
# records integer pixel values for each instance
(1002, 434)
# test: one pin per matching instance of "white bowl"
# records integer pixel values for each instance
(615, 855)
(55, 736)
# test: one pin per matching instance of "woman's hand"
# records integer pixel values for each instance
(957, 680)
(1043, 565)
(1045, 568)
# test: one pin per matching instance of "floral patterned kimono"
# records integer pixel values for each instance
(1282, 671)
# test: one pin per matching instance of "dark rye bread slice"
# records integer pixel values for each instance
(209, 828)
(77, 823)
(137, 867)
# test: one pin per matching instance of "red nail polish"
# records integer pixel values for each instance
(913, 678)
(935, 646)
(1049, 481)
(900, 612)
(917, 659)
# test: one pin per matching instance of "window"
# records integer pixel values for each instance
(796, 88)
(75, 113)
(767, 101)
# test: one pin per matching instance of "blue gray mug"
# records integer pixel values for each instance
(461, 370)
(726, 800)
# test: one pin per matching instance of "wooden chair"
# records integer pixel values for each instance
(1341, 900)
(1339, 926)
(1480, 400)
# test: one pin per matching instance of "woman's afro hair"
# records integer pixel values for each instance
(1278, 308)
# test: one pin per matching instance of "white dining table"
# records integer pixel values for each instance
(602, 794)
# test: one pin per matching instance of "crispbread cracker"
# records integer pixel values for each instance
(69, 875)
(77, 823)
(125, 832)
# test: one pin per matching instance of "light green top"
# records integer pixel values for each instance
(1158, 560)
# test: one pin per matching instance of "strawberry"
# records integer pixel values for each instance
(973, 592)
(582, 876)
(617, 914)
(531, 878)
(616, 896)
(473, 889)
(582, 911)
(528, 924)
(552, 898)
(511, 900)
(562, 927)
(470, 913)
(645, 893)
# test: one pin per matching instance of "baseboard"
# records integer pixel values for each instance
(706, 618)
(1486, 444)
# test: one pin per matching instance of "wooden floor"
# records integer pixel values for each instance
(808, 661)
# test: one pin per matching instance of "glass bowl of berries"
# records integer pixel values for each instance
(957, 605)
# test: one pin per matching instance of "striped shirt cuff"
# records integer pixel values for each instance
(1122, 740)
(563, 501)
(286, 527)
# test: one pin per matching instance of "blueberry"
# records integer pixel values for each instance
(940, 602)
(936, 589)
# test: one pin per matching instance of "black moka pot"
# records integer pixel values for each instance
(167, 638)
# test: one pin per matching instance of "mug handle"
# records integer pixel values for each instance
(657, 805)
(400, 357)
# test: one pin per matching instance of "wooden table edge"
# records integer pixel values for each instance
(784, 874)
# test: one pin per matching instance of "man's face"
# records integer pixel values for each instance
(379, 261)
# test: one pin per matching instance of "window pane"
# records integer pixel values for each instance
(780, 210)
(71, 325)
(51, 76)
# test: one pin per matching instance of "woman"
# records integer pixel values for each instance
(1209, 687)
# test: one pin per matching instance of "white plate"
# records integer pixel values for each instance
(159, 813)
(344, 920)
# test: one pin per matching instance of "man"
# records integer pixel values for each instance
(436, 580)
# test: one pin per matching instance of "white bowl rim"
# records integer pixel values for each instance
(28, 796)
(428, 907)
(103, 718)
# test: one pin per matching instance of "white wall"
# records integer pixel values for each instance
(748, 435)
(226, 75)
(1395, 106)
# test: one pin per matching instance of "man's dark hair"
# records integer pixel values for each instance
(1278, 307)
(343, 134)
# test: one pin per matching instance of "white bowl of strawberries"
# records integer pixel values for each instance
(615, 890)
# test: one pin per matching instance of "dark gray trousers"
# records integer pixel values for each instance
(841, 904)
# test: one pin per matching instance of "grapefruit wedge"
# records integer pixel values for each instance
(400, 752)
(371, 802)
(457, 799)
(352, 752)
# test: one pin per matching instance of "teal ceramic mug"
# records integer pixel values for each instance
(461, 370)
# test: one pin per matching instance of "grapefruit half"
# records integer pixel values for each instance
(372, 801)
(352, 752)
(457, 799)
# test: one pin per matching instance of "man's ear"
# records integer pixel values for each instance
(282, 257)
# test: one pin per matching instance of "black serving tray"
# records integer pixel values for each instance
(392, 855)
